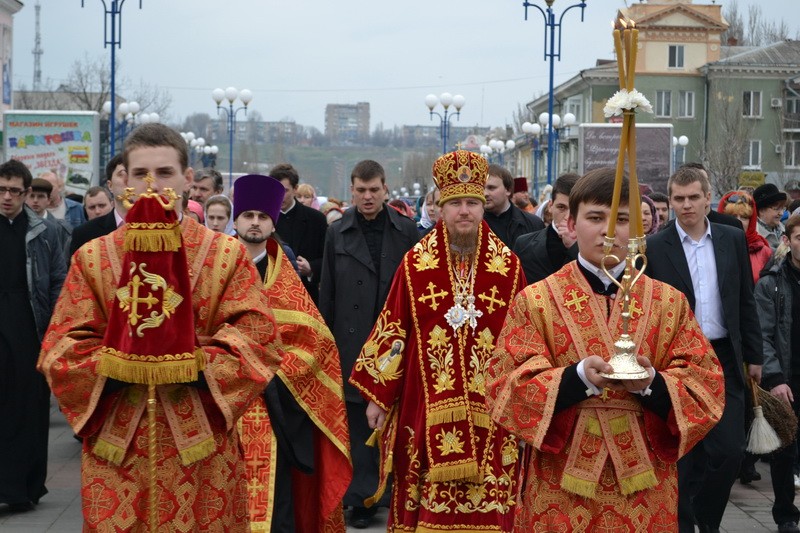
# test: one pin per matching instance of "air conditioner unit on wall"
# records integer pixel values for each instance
(778, 148)
(776, 103)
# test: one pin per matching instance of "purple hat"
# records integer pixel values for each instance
(255, 192)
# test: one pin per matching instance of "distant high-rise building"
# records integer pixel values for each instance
(347, 123)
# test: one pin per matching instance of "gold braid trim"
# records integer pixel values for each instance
(482, 420)
(198, 451)
(167, 239)
(111, 453)
(593, 427)
(150, 369)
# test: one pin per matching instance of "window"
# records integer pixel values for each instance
(752, 156)
(663, 103)
(792, 106)
(676, 56)
(751, 104)
(686, 104)
(574, 105)
(792, 153)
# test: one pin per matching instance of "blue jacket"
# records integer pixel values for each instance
(75, 214)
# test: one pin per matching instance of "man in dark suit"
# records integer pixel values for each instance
(302, 228)
(709, 263)
(362, 252)
(505, 219)
(116, 181)
(544, 252)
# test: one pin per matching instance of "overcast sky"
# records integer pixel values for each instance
(298, 55)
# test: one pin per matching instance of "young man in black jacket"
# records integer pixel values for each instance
(506, 220)
(777, 296)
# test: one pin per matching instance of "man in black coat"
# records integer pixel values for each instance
(116, 181)
(302, 228)
(710, 264)
(505, 219)
(362, 252)
(544, 252)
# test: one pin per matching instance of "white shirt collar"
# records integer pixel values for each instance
(616, 271)
(260, 256)
(683, 235)
(290, 207)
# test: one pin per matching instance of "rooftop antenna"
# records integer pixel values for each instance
(37, 53)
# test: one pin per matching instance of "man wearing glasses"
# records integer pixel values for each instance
(770, 203)
(31, 274)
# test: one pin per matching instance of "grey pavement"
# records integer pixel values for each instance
(60, 509)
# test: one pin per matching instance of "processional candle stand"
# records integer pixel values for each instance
(625, 102)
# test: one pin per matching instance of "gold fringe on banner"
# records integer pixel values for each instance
(153, 240)
(150, 370)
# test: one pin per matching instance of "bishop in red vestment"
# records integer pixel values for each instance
(424, 368)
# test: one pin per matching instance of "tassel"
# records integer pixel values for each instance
(109, 452)
(199, 451)
(467, 471)
(642, 481)
(762, 438)
(153, 240)
(581, 487)
(181, 368)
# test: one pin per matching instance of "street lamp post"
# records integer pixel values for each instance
(112, 34)
(446, 99)
(533, 129)
(126, 118)
(681, 141)
(552, 51)
(231, 94)
(498, 147)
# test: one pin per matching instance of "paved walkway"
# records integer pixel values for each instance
(60, 510)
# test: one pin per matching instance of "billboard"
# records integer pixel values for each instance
(64, 142)
(599, 147)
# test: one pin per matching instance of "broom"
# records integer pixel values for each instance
(780, 416)
(762, 438)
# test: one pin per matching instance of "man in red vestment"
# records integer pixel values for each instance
(601, 454)
(294, 437)
(424, 367)
(199, 474)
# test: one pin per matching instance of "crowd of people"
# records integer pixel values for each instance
(259, 360)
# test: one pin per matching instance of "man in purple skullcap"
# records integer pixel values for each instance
(256, 208)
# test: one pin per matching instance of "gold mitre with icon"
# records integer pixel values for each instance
(151, 337)
(460, 174)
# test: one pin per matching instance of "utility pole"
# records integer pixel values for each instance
(37, 52)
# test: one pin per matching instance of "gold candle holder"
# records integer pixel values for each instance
(624, 358)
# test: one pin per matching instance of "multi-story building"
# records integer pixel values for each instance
(738, 106)
(347, 123)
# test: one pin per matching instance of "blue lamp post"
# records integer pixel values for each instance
(552, 51)
(127, 117)
(231, 95)
(112, 30)
(447, 100)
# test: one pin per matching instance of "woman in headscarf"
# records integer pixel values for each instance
(741, 205)
(218, 214)
(650, 220)
(307, 196)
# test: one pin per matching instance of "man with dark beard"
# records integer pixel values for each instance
(424, 367)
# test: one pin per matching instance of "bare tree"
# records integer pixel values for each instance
(756, 30)
(724, 151)
(735, 31)
(521, 115)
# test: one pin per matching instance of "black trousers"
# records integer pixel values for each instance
(707, 473)
(781, 466)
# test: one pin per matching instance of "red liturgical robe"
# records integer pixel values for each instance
(200, 472)
(603, 464)
(454, 470)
